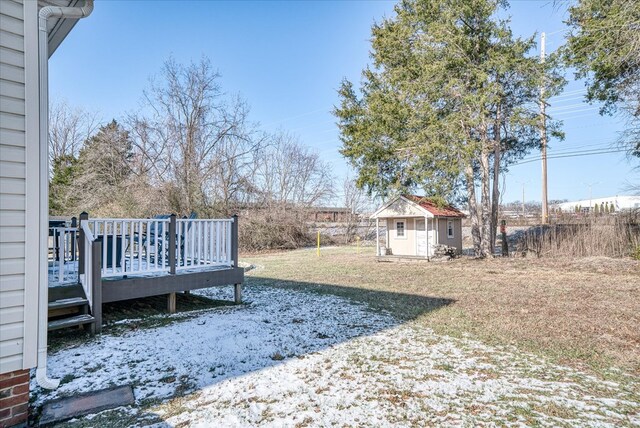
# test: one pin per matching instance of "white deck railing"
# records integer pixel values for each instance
(203, 243)
(132, 246)
(140, 246)
(63, 254)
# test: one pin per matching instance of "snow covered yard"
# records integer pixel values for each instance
(297, 358)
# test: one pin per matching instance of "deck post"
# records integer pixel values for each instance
(96, 283)
(234, 240)
(74, 224)
(237, 293)
(83, 216)
(172, 244)
(237, 288)
(171, 303)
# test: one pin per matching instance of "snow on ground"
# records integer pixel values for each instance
(302, 359)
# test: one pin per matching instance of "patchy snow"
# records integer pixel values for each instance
(296, 358)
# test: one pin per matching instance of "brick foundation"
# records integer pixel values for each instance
(14, 398)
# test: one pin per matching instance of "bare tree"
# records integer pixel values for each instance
(356, 201)
(289, 174)
(186, 120)
(69, 128)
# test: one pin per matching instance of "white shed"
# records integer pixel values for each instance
(415, 226)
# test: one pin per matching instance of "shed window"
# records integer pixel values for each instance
(449, 229)
(400, 229)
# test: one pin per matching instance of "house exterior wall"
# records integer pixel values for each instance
(402, 246)
(12, 185)
(443, 238)
(408, 246)
(19, 177)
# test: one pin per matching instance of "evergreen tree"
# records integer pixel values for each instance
(104, 170)
(450, 99)
(596, 211)
(63, 189)
(603, 47)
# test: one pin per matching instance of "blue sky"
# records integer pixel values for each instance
(287, 60)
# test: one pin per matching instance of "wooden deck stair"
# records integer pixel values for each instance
(70, 310)
(78, 320)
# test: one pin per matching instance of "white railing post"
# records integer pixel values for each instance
(229, 258)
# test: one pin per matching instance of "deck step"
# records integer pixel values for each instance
(71, 322)
(68, 303)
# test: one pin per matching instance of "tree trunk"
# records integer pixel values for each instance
(485, 217)
(495, 198)
(473, 211)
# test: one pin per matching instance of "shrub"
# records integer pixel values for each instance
(611, 236)
(280, 229)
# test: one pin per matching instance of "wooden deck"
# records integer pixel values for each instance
(186, 254)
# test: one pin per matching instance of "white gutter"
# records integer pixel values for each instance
(43, 283)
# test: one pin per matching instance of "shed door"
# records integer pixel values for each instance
(422, 249)
(421, 238)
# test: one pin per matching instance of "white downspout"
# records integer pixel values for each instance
(43, 283)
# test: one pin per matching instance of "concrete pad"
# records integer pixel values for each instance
(63, 409)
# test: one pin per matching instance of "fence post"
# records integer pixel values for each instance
(96, 283)
(237, 288)
(81, 253)
(172, 244)
(505, 244)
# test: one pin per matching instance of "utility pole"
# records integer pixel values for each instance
(590, 185)
(543, 137)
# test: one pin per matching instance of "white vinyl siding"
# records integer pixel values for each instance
(12, 184)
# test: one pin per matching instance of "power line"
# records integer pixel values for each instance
(564, 100)
(566, 150)
(573, 92)
(577, 117)
(571, 152)
(602, 152)
(569, 112)
(574, 151)
(568, 107)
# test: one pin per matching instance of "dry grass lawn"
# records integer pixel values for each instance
(584, 313)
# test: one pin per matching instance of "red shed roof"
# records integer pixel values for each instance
(445, 211)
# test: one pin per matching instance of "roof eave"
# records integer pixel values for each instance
(375, 215)
(61, 26)
(59, 33)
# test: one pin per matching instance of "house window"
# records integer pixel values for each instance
(400, 229)
(450, 229)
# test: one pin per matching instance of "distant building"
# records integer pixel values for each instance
(620, 203)
(329, 214)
